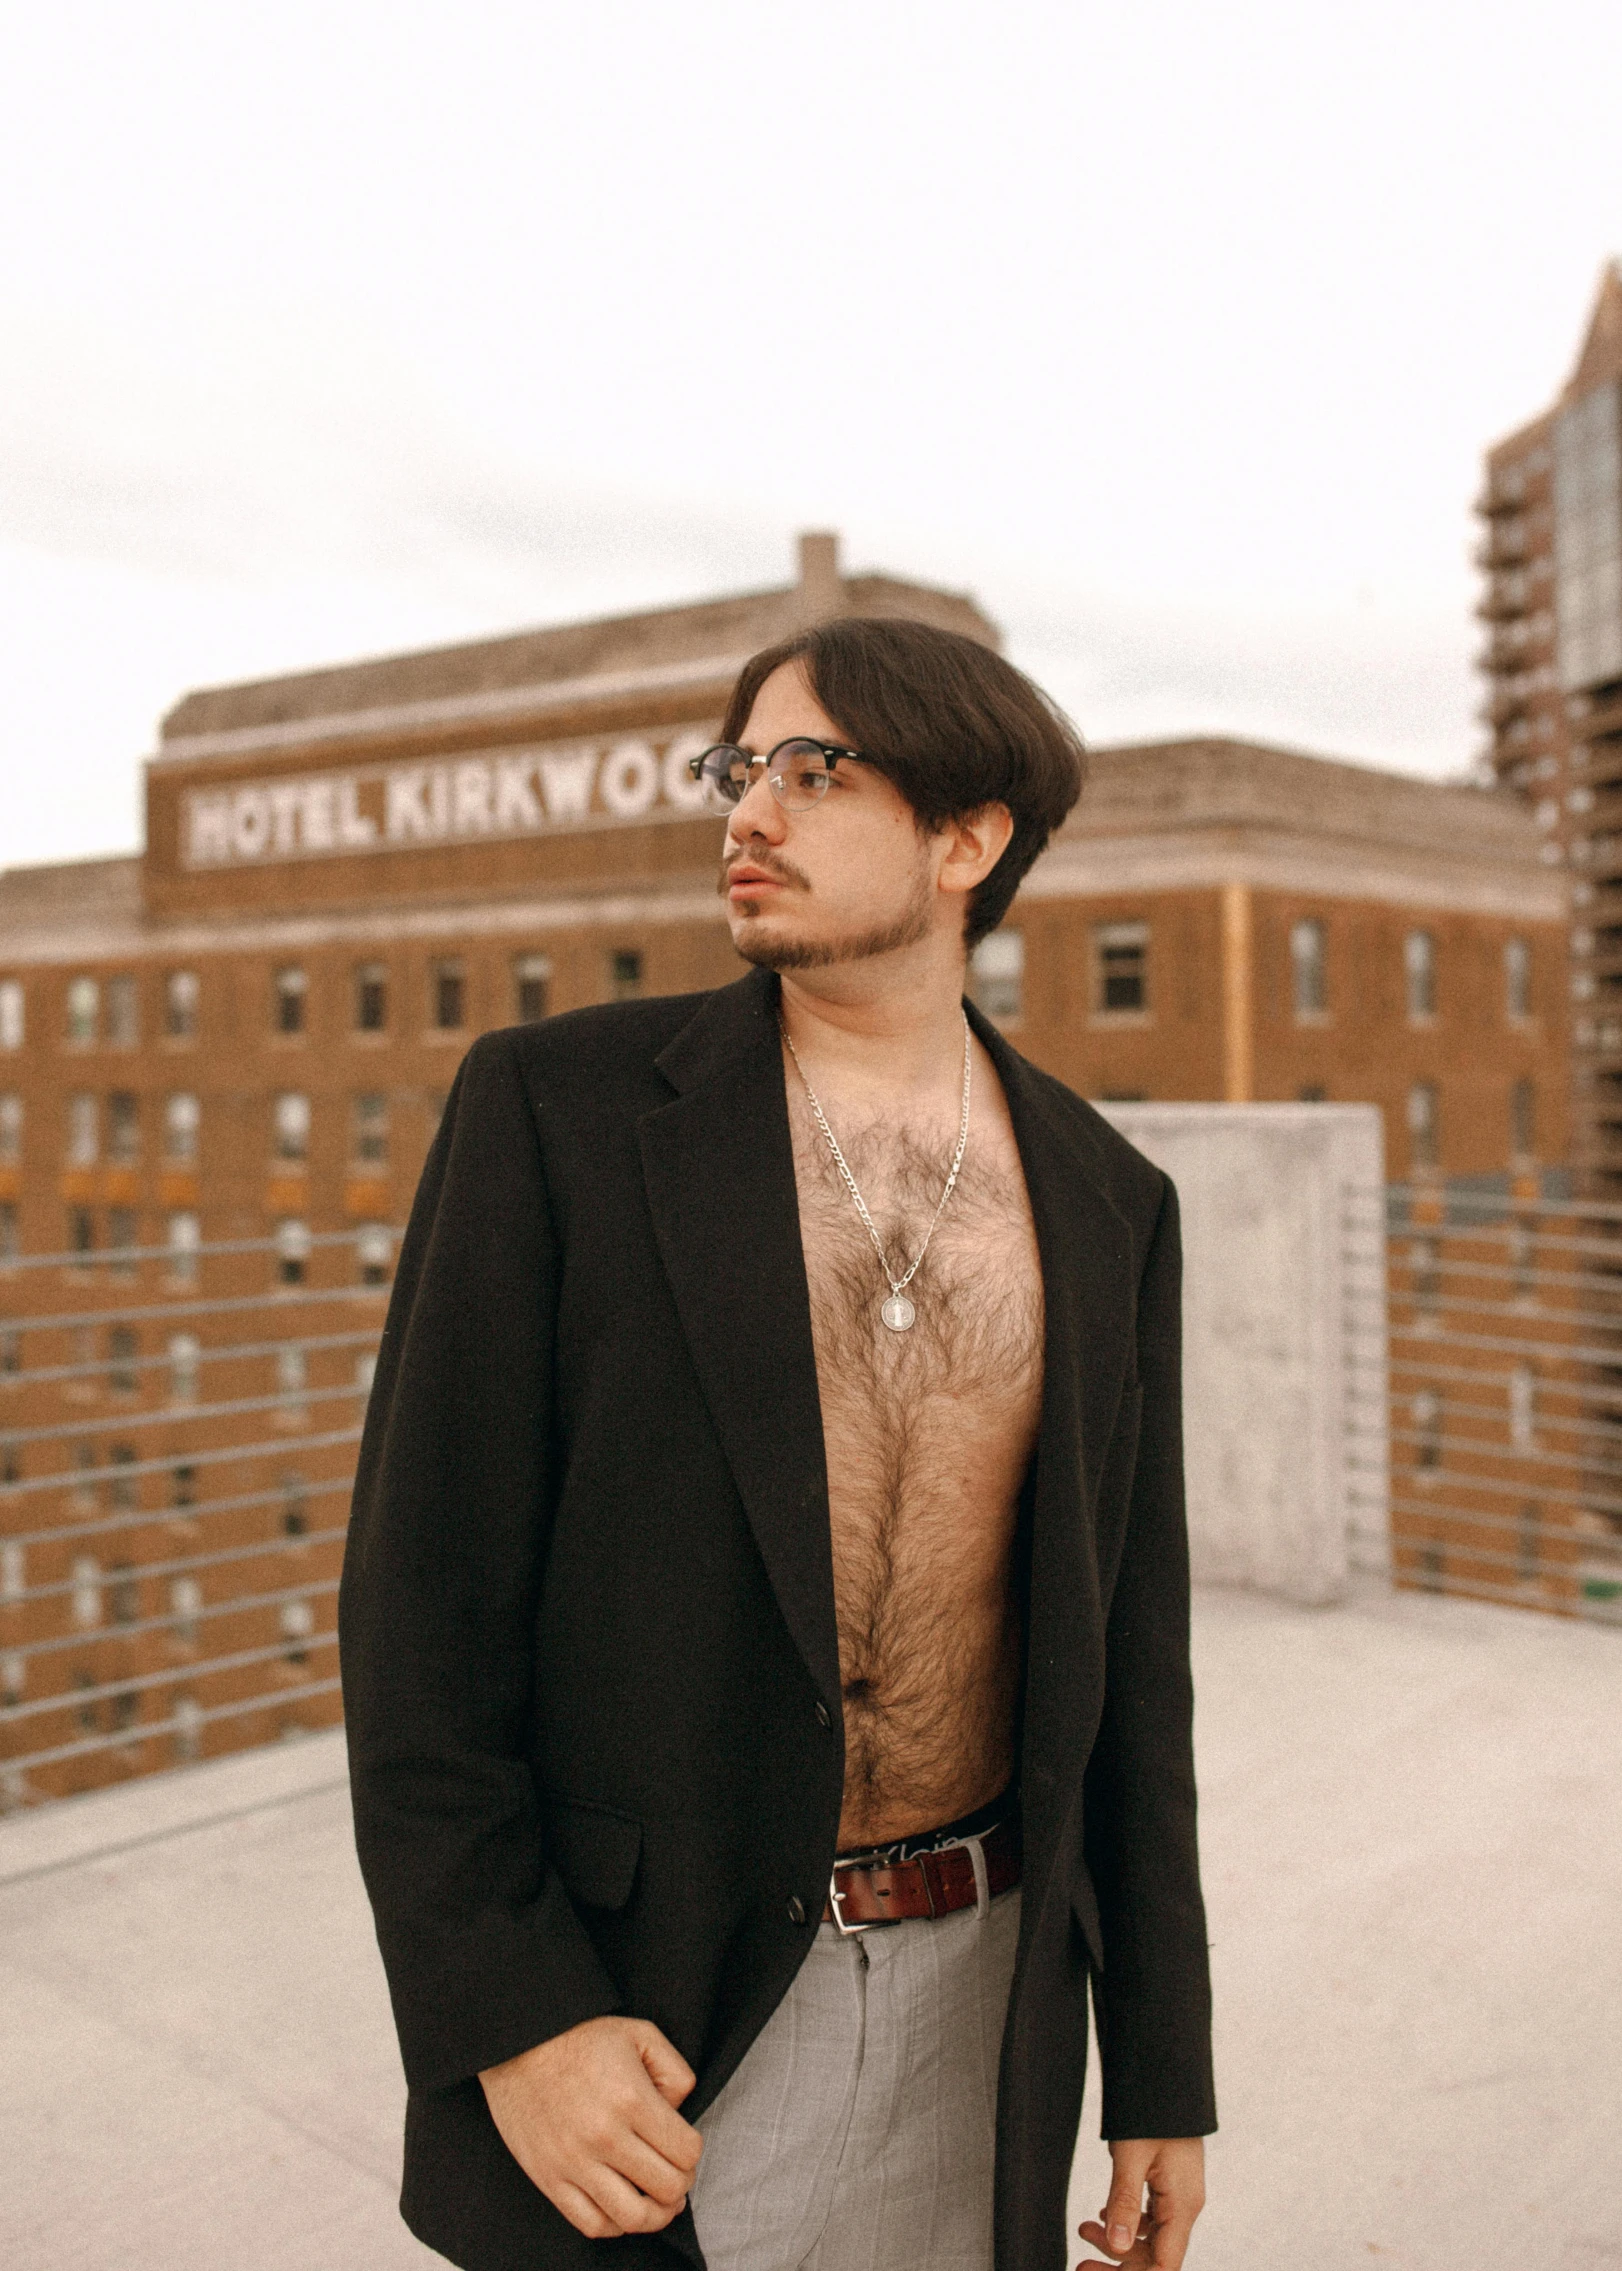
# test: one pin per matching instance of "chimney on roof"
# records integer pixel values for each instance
(821, 591)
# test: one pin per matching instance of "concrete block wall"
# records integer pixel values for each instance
(1284, 1344)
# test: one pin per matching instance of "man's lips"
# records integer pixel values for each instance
(752, 879)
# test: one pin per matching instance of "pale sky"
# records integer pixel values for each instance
(1174, 332)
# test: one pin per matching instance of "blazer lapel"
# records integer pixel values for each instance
(718, 1165)
(1089, 1289)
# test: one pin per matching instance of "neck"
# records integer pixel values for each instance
(870, 1027)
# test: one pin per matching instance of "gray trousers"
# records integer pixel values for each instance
(859, 2131)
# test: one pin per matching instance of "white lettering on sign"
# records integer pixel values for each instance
(465, 800)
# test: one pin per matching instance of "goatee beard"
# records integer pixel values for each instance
(807, 954)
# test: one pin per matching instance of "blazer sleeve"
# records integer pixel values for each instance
(1153, 1999)
(484, 1952)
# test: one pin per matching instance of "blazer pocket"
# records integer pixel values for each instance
(593, 1849)
(1084, 1903)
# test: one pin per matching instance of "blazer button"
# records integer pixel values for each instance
(796, 1909)
(825, 1717)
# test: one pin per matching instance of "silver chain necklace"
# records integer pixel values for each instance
(898, 1312)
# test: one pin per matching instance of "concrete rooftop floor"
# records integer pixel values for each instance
(1413, 1847)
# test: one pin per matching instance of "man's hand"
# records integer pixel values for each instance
(1156, 2238)
(590, 2118)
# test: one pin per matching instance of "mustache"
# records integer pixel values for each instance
(780, 870)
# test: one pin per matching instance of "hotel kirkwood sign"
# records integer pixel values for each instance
(458, 800)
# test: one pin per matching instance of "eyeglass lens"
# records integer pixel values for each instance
(797, 770)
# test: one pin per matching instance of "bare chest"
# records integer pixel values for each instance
(928, 1431)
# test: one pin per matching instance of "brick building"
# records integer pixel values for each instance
(1551, 506)
(221, 1063)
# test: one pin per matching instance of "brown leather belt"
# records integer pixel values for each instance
(862, 1894)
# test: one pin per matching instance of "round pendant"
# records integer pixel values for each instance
(898, 1313)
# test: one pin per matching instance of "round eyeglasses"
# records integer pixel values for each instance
(798, 770)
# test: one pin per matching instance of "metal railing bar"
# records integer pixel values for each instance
(73, 1699)
(1446, 1479)
(1500, 1560)
(144, 1518)
(181, 1566)
(1555, 1533)
(146, 1730)
(128, 1420)
(1463, 1446)
(76, 1478)
(1574, 1352)
(170, 1621)
(1574, 1210)
(1546, 1423)
(44, 1375)
(272, 1297)
(123, 1257)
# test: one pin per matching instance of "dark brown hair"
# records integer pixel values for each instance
(949, 721)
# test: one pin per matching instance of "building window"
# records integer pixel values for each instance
(374, 1250)
(1517, 978)
(624, 974)
(297, 1622)
(123, 1238)
(187, 1714)
(184, 1241)
(180, 995)
(292, 1000)
(1523, 1408)
(1312, 1092)
(123, 1359)
(11, 1130)
(185, 1607)
(292, 1251)
(13, 1678)
(84, 1010)
(123, 1128)
(1427, 1410)
(13, 1023)
(185, 1357)
(11, 1352)
(1522, 1120)
(290, 1125)
(84, 1130)
(997, 975)
(86, 1595)
(371, 997)
(1422, 1128)
(292, 1377)
(13, 1570)
(1309, 974)
(1419, 973)
(81, 1231)
(369, 1131)
(10, 1236)
(447, 996)
(295, 1506)
(182, 1118)
(183, 1488)
(123, 1488)
(1120, 969)
(532, 975)
(123, 1013)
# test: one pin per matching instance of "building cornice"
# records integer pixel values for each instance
(709, 675)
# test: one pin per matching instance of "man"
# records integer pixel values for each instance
(773, 1463)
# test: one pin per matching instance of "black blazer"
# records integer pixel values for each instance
(587, 1613)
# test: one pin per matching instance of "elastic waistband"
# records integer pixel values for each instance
(1002, 1808)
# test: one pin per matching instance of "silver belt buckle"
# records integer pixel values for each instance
(835, 1896)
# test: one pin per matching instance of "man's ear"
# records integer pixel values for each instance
(974, 845)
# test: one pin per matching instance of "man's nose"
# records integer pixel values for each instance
(758, 813)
